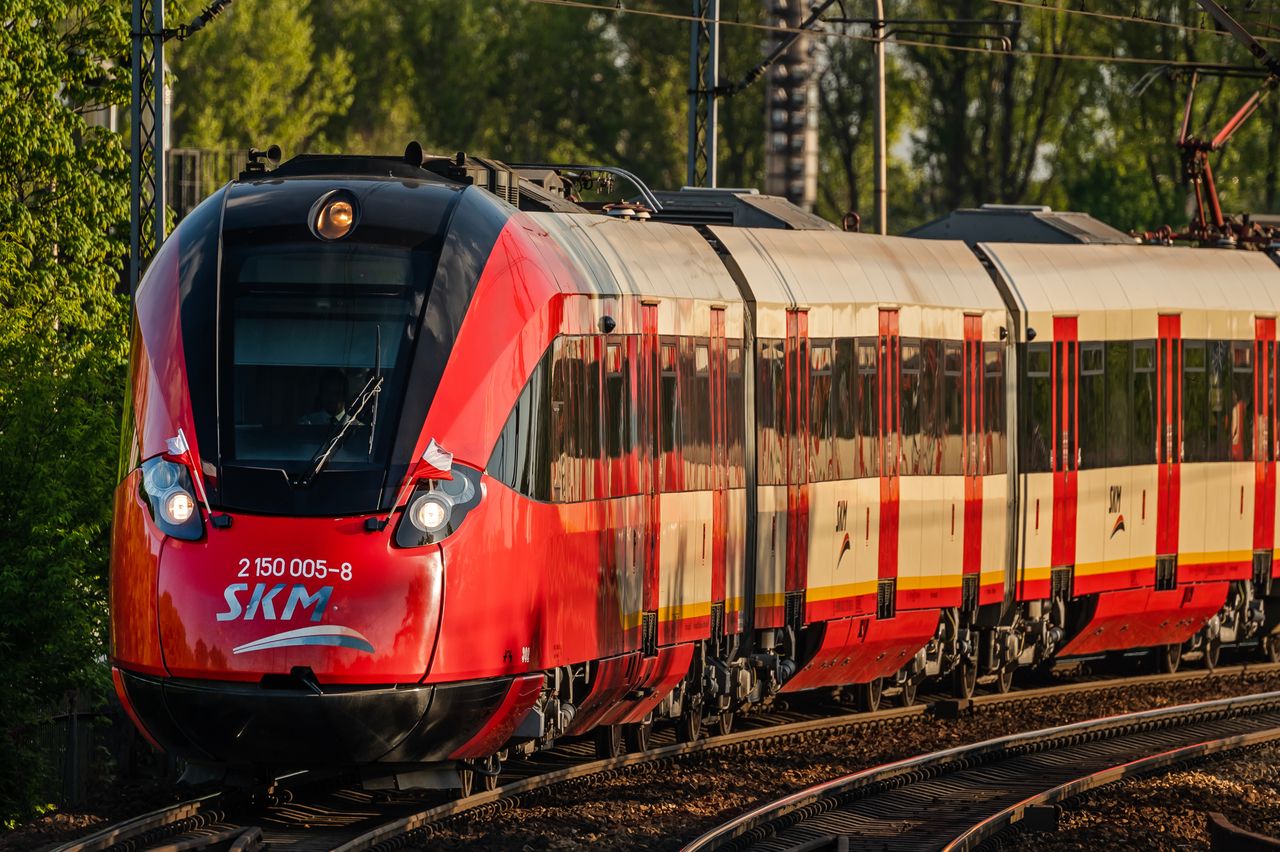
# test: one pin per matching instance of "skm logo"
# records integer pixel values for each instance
(262, 602)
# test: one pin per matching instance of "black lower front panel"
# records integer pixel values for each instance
(248, 724)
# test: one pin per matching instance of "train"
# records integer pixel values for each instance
(428, 464)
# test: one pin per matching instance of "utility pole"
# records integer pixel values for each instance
(882, 154)
(704, 77)
(146, 138)
(149, 129)
(791, 108)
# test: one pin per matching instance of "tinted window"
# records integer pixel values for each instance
(669, 420)
(1218, 372)
(914, 445)
(618, 440)
(1038, 426)
(952, 408)
(771, 408)
(1093, 406)
(522, 456)
(844, 410)
(822, 459)
(868, 411)
(1242, 401)
(735, 392)
(995, 452)
(1195, 402)
(1119, 404)
(1142, 445)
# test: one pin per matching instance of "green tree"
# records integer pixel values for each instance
(63, 203)
(255, 76)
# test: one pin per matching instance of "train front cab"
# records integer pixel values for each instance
(1148, 424)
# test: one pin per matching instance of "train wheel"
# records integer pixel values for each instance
(1168, 657)
(1004, 680)
(1212, 650)
(689, 725)
(724, 722)
(907, 697)
(965, 679)
(609, 742)
(466, 782)
(489, 778)
(868, 695)
(637, 735)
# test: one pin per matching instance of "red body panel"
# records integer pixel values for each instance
(1169, 442)
(659, 675)
(523, 693)
(974, 413)
(889, 401)
(858, 650)
(135, 552)
(1140, 618)
(1065, 452)
(390, 597)
(1264, 436)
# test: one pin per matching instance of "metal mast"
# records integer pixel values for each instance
(791, 107)
(146, 138)
(704, 74)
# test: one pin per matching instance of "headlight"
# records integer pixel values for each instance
(333, 216)
(438, 507)
(430, 512)
(166, 487)
(179, 507)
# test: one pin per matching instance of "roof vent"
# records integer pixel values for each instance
(1019, 208)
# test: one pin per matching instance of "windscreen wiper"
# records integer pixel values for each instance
(356, 407)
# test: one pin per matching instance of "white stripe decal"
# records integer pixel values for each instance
(322, 634)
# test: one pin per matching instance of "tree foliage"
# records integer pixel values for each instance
(63, 203)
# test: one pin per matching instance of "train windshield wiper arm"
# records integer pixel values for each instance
(356, 407)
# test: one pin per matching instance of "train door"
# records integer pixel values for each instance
(1168, 448)
(972, 462)
(649, 442)
(797, 449)
(1065, 452)
(889, 408)
(719, 470)
(1264, 448)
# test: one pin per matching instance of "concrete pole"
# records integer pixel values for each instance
(881, 160)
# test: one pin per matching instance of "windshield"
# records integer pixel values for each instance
(313, 325)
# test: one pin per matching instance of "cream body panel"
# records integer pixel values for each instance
(1142, 547)
(995, 529)
(1118, 548)
(684, 554)
(735, 556)
(824, 540)
(912, 548)
(1240, 510)
(1091, 517)
(1193, 487)
(771, 538)
(951, 535)
(1038, 549)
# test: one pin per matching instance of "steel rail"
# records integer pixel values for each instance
(1004, 819)
(914, 770)
(169, 817)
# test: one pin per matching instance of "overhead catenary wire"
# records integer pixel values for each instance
(617, 8)
(1118, 18)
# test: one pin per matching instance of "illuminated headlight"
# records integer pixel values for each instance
(430, 512)
(438, 507)
(166, 488)
(333, 216)
(179, 507)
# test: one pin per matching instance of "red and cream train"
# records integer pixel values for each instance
(417, 472)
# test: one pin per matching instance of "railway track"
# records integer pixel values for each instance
(307, 813)
(959, 798)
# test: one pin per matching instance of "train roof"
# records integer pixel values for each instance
(1119, 291)
(1019, 223)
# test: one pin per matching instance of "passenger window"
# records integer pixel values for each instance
(771, 408)
(952, 408)
(1093, 407)
(1242, 401)
(617, 418)
(1142, 447)
(821, 460)
(994, 451)
(914, 445)
(522, 456)
(844, 390)
(868, 410)
(1119, 403)
(669, 420)
(1195, 402)
(1038, 428)
(735, 391)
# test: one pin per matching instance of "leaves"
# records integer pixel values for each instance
(63, 205)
